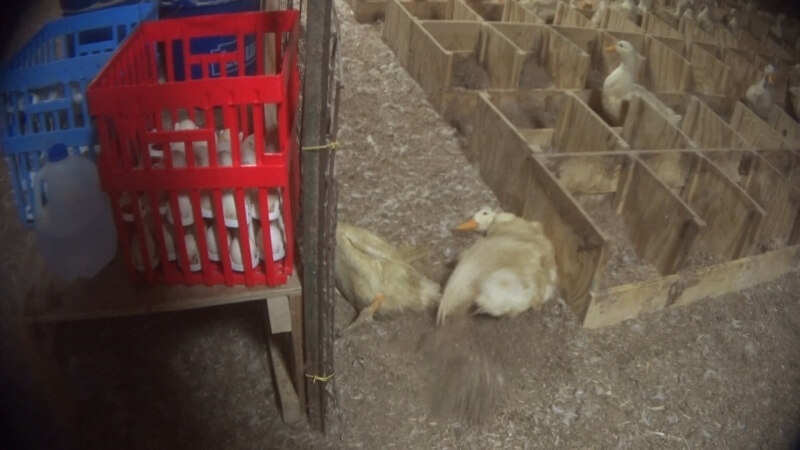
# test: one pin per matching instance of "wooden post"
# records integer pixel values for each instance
(319, 217)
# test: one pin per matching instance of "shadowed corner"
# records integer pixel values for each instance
(468, 381)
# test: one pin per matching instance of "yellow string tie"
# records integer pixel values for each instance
(329, 146)
(319, 378)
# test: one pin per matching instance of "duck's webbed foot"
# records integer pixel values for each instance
(367, 314)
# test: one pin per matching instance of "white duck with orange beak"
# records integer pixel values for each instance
(620, 86)
(758, 97)
(505, 273)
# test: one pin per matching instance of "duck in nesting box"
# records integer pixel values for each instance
(758, 97)
(508, 271)
(377, 278)
(620, 87)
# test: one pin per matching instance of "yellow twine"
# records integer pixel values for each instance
(319, 378)
(329, 146)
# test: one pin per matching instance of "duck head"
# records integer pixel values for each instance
(626, 53)
(481, 221)
(769, 70)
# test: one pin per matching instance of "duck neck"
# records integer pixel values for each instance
(628, 63)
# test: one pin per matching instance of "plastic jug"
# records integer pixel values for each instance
(73, 221)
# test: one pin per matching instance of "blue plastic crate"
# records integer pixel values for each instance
(43, 90)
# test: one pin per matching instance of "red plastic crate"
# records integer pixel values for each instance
(136, 103)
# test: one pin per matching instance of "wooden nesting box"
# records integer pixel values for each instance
(644, 215)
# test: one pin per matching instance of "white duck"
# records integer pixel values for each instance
(644, 7)
(510, 270)
(682, 6)
(376, 277)
(776, 30)
(597, 17)
(758, 96)
(732, 22)
(620, 87)
(704, 20)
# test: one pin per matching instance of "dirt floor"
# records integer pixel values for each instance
(723, 373)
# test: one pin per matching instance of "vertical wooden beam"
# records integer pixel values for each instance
(318, 219)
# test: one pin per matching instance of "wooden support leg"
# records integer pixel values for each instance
(298, 366)
(284, 319)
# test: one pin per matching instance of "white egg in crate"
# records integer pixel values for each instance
(191, 252)
(229, 209)
(211, 241)
(277, 240)
(236, 251)
(185, 210)
(274, 203)
(136, 252)
(127, 208)
(169, 242)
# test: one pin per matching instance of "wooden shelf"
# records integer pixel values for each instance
(46, 298)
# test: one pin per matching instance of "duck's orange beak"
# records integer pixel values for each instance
(469, 225)
(611, 48)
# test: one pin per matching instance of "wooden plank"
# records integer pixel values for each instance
(569, 17)
(397, 28)
(367, 11)
(666, 70)
(585, 38)
(461, 11)
(595, 134)
(628, 301)
(742, 70)
(428, 62)
(580, 247)
(280, 318)
(490, 11)
(500, 165)
(508, 45)
(51, 299)
(709, 74)
(694, 33)
(653, 25)
(662, 227)
(786, 161)
(515, 12)
(726, 38)
(707, 129)
(289, 401)
(732, 217)
(754, 130)
(298, 338)
(785, 125)
(646, 128)
(567, 63)
(617, 21)
(780, 200)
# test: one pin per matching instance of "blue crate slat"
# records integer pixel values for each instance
(43, 89)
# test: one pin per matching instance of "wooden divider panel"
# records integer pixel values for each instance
(781, 203)
(709, 74)
(785, 126)
(655, 26)
(580, 247)
(754, 130)
(646, 128)
(707, 129)
(579, 129)
(661, 226)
